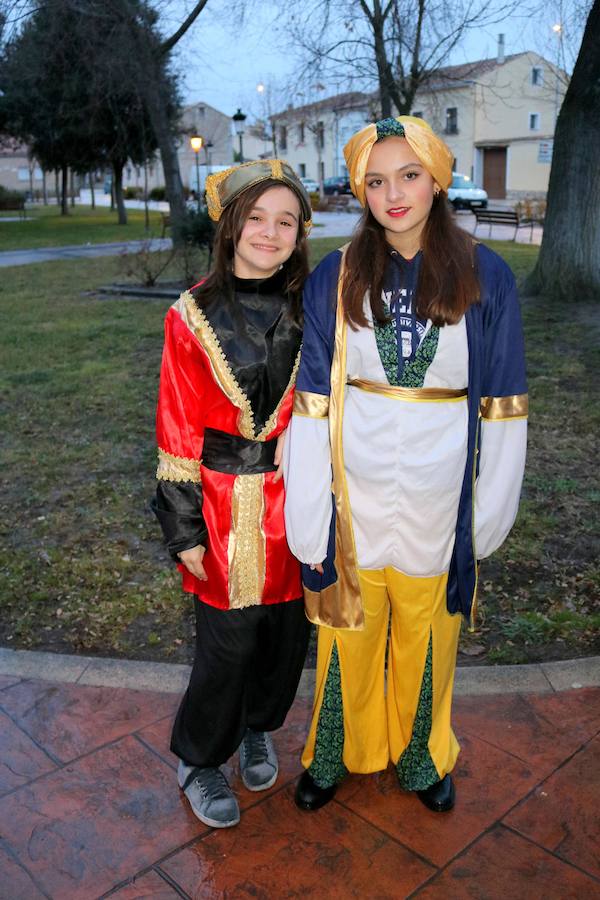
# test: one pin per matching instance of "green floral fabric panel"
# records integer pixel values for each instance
(413, 373)
(385, 338)
(415, 767)
(327, 767)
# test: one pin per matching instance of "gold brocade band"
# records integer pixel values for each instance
(413, 395)
(199, 325)
(499, 408)
(247, 546)
(313, 406)
(177, 468)
(343, 602)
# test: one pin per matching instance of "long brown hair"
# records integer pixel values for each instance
(229, 230)
(447, 283)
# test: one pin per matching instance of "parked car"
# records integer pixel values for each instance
(310, 184)
(337, 185)
(464, 194)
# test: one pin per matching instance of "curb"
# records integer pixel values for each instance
(544, 678)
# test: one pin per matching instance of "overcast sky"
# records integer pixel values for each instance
(222, 63)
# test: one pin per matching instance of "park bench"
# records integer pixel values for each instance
(502, 217)
(17, 204)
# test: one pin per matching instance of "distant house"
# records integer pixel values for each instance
(198, 119)
(496, 115)
(17, 171)
(312, 137)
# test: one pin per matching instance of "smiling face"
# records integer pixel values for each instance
(399, 193)
(269, 234)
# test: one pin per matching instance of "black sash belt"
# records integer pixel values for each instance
(235, 455)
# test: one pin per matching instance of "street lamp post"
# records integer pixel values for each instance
(238, 121)
(197, 142)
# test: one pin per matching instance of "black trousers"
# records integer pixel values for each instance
(246, 671)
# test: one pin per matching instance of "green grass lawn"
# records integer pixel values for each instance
(81, 559)
(45, 227)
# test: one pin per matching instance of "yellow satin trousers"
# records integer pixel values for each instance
(378, 722)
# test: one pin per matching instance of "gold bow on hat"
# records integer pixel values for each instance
(430, 149)
(223, 188)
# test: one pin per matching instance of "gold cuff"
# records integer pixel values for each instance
(500, 408)
(177, 468)
(313, 406)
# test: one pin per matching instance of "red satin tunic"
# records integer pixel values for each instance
(247, 560)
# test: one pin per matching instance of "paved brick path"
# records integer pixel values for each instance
(89, 807)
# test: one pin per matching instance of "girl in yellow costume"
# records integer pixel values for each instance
(403, 463)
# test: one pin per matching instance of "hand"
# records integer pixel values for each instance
(279, 455)
(192, 560)
(317, 567)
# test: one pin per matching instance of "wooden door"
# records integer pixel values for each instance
(494, 172)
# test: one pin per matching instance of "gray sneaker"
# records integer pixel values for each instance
(210, 796)
(258, 761)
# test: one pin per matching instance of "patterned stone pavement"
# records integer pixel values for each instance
(89, 807)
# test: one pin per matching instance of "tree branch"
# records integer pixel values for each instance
(169, 43)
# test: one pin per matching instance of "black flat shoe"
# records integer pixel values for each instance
(310, 796)
(439, 797)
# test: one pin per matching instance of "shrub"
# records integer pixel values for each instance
(133, 193)
(198, 229)
(158, 193)
(10, 199)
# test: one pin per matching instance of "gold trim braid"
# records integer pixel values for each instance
(413, 395)
(310, 405)
(341, 605)
(500, 408)
(246, 550)
(199, 325)
(177, 468)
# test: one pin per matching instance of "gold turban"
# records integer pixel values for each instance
(430, 149)
(223, 188)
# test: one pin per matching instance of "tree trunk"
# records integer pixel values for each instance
(31, 167)
(44, 188)
(146, 210)
(57, 186)
(64, 195)
(92, 192)
(118, 183)
(568, 267)
(72, 187)
(170, 160)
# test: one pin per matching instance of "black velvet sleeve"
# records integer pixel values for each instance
(178, 507)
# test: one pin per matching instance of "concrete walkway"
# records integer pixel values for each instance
(89, 806)
(327, 224)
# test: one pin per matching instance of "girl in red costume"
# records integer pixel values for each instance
(227, 378)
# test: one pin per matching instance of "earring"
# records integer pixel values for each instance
(436, 191)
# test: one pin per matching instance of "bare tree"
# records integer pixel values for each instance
(393, 45)
(568, 267)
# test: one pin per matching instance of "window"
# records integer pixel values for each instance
(537, 75)
(302, 170)
(201, 111)
(320, 135)
(451, 120)
(283, 137)
(301, 133)
(534, 121)
(417, 114)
